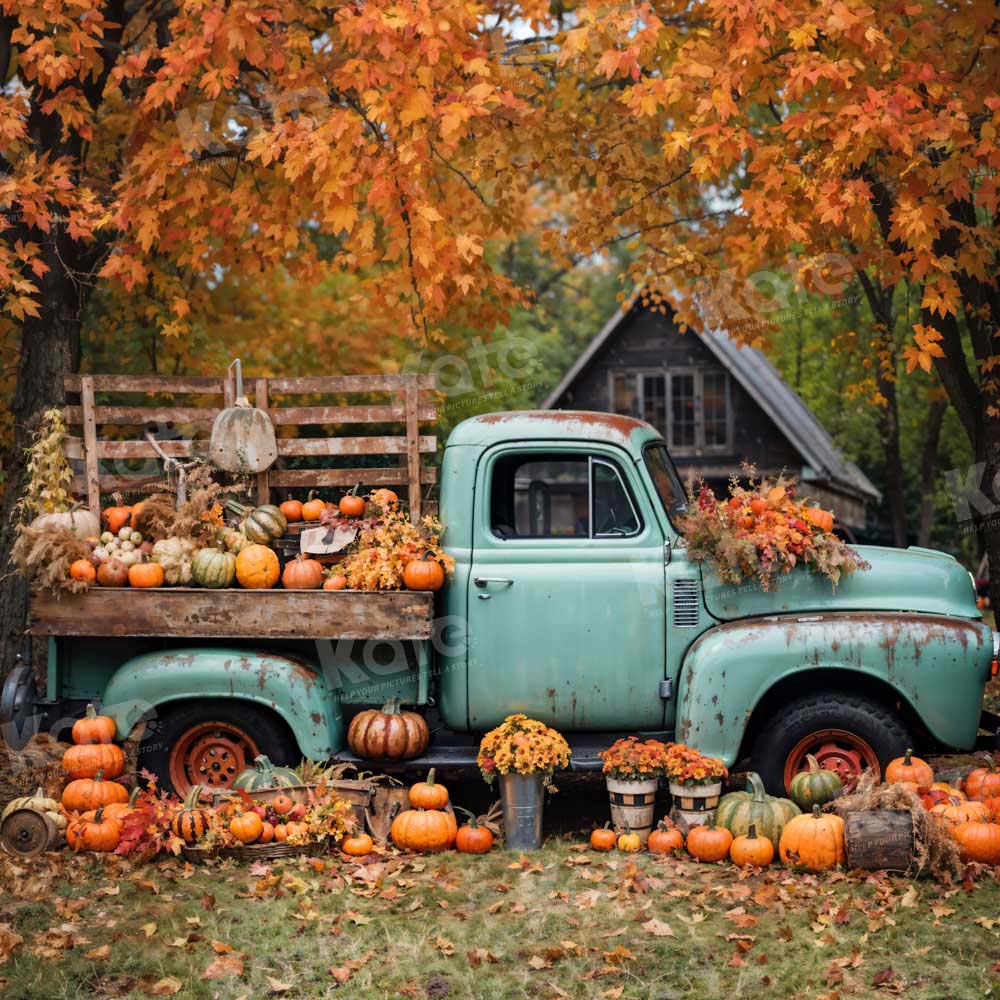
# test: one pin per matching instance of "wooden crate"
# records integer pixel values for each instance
(104, 430)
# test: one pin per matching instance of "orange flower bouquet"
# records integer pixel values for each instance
(687, 766)
(631, 759)
(520, 745)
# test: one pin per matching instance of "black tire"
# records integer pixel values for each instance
(870, 720)
(269, 733)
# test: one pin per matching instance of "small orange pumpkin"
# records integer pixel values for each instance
(336, 581)
(352, 505)
(94, 728)
(473, 837)
(246, 827)
(302, 573)
(983, 782)
(665, 839)
(951, 813)
(384, 498)
(312, 509)
(909, 768)
(257, 568)
(280, 833)
(266, 833)
(979, 840)
(116, 517)
(292, 509)
(83, 569)
(749, 849)
(603, 838)
(813, 841)
(358, 845)
(101, 833)
(710, 842)
(423, 574)
(822, 519)
(146, 575)
(428, 794)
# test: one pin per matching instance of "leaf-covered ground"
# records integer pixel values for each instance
(565, 922)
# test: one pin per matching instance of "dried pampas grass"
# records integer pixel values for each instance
(934, 849)
(44, 556)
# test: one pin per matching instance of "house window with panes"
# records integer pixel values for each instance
(690, 407)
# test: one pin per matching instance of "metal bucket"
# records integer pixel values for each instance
(632, 805)
(523, 799)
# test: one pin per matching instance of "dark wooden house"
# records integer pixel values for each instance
(717, 404)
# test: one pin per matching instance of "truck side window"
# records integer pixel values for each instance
(539, 495)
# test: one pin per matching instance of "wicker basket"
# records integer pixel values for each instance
(271, 852)
(198, 853)
(358, 793)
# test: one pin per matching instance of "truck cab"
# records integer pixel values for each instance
(573, 601)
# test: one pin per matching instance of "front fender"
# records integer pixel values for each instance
(291, 688)
(937, 665)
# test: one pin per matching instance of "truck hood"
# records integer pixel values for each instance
(912, 579)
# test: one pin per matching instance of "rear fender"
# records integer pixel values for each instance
(937, 665)
(291, 688)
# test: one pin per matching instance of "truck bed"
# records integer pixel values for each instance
(188, 612)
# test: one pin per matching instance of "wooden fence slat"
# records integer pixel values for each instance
(90, 444)
(307, 415)
(413, 446)
(143, 449)
(260, 401)
(122, 484)
(316, 478)
(352, 446)
(139, 415)
(147, 383)
(345, 383)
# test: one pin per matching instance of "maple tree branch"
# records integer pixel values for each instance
(652, 191)
(665, 225)
(468, 183)
(964, 394)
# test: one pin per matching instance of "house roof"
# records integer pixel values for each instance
(768, 389)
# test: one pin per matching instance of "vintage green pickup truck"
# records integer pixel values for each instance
(572, 601)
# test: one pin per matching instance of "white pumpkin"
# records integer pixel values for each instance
(39, 802)
(175, 556)
(79, 520)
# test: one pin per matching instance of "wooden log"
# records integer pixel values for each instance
(879, 839)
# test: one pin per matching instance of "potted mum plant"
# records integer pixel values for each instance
(632, 769)
(695, 782)
(524, 753)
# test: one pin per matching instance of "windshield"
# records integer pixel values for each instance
(665, 479)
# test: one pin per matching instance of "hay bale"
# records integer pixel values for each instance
(934, 849)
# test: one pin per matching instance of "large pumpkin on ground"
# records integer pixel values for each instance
(264, 774)
(768, 813)
(388, 733)
(423, 830)
(257, 568)
(813, 842)
(979, 840)
(815, 786)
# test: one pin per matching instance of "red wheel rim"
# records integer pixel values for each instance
(844, 753)
(210, 754)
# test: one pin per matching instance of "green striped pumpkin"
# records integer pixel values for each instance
(814, 787)
(264, 774)
(263, 525)
(190, 822)
(213, 567)
(737, 810)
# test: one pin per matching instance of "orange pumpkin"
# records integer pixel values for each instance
(85, 794)
(246, 827)
(428, 794)
(822, 519)
(280, 833)
(299, 830)
(94, 728)
(758, 505)
(86, 759)
(709, 843)
(603, 838)
(266, 833)
(665, 839)
(336, 581)
(358, 845)
(292, 510)
(384, 498)
(352, 506)
(749, 849)
(423, 574)
(302, 573)
(983, 782)
(943, 786)
(473, 837)
(136, 510)
(116, 518)
(979, 840)
(98, 833)
(813, 841)
(312, 509)
(951, 813)
(83, 569)
(388, 734)
(257, 568)
(909, 768)
(423, 830)
(146, 575)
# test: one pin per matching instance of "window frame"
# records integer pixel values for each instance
(593, 459)
(698, 372)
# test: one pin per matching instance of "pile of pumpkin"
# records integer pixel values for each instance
(748, 826)
(121, 557)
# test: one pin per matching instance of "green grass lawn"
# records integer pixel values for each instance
(560, 923)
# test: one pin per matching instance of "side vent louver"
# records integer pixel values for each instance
(686, 603)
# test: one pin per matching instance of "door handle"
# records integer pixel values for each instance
(482, 581)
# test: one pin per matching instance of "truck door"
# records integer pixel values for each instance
(566, 596)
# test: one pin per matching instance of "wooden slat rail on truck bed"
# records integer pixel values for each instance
(111, 454)
(235, 614)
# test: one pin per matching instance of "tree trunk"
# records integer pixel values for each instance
(50, 349)
(936, 410)
(895, 482)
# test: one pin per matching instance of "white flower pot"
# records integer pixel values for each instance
(632, 805)
(695, 804)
